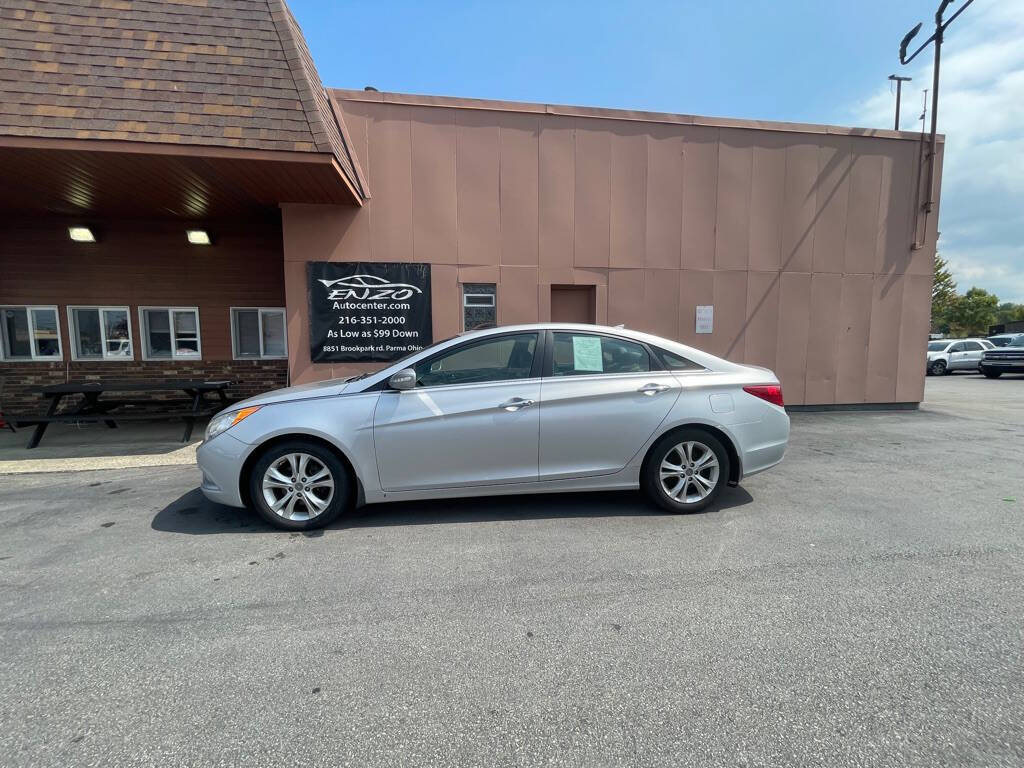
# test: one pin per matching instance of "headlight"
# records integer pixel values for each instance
(225, 421)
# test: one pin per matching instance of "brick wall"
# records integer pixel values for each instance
(141, 263)
(20, 382)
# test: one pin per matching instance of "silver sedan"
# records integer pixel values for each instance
(519, 409)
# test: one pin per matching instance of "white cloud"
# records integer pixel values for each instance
(981, 112)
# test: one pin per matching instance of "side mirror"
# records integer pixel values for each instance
(404, 379)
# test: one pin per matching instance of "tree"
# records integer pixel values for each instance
(943, 295)
(1008, 312)
(972, 313)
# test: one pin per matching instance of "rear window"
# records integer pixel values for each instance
(937, 346)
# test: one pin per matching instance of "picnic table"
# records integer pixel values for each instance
(97, 405)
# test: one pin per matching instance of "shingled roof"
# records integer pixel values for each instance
(231, 73)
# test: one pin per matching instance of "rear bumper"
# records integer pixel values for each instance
(220, 460)
(764, 442)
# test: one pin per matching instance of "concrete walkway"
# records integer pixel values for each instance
(71, 448)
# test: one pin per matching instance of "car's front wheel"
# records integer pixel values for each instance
(685, 471)
(991, 374)
(299, 485)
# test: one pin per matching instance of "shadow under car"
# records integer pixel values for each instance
(192, 513)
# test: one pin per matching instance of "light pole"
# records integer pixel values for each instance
(940, 27)
(899, 87)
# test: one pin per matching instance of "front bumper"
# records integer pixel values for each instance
(1007, 366)
(220, 460)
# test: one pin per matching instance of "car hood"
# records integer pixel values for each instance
(301, 392)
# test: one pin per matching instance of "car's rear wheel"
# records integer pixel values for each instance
(299, 485)
(685, 471)
(938, 368)
(991, 374)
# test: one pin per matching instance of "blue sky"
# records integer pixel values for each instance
(823, 62)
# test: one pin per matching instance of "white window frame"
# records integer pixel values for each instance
(260, 312)
(32, 334)
(144, 330)
(493, 302)
(72, 337)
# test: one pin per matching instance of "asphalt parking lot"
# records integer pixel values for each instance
(860, 605)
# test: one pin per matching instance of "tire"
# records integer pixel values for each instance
(938, 368)
(991, 374)
(307, 483)
(681, 448)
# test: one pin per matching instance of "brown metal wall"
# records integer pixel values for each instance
(800, 238)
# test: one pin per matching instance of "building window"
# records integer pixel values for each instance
(100, 333)
(258, 333)
(170, 332)
(29, 333)
(479, 306)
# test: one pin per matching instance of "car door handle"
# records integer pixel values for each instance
(515, 404)
(653, 389)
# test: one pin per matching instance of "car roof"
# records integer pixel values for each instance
(613, 330)
(705, 359)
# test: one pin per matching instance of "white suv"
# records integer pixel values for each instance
(948, 355)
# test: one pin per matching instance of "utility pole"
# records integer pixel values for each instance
(940, 28)
(899, 87)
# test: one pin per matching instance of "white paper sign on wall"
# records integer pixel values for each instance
(705, 318)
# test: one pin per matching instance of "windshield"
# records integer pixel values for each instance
(1018, 342)
(937, 346)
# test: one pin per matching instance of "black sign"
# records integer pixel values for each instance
(363, 312)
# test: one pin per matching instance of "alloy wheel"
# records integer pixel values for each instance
(298, 486)
(689, 472)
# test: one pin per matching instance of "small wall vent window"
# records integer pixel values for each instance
(29, 333)
(100, 333)
(479, 306)
(170, 332)
(259, 333)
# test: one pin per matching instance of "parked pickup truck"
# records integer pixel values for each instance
(1009, 359)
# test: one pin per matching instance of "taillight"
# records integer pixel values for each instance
(770, 392)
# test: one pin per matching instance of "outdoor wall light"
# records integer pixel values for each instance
(81, 234)
(198, 236)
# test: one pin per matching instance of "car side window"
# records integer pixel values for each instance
(959, 347)
(972, 346)
(673, 362)
(498, 359)
(583, 354)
